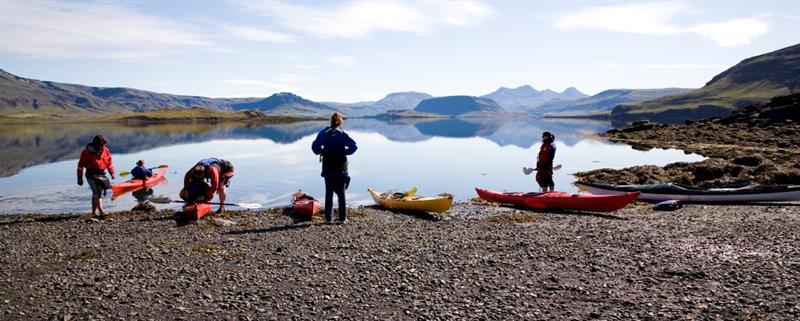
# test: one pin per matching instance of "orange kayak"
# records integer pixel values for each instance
(196, 211)
(304, 205)
(561, 200)
(136, 184)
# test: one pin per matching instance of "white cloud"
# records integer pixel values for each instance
(732, 33)
(267, 86)
(91, 30)
(656, 18)
(341, 60)
(644, 18)
(247, 82)
(358, 19)
(290, 78)
(255, 34)
(685, 66)
(305, 66)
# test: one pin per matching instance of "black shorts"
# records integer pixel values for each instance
(545, 179)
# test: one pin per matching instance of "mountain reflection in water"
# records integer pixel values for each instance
(23, 146)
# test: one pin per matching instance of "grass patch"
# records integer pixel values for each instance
(753, 316)
(511, 218)
(355, 212)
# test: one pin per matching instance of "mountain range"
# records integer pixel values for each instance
(604, 102)
(752, 81)
(526, 98)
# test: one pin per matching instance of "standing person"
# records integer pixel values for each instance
(96, 159)
(141, 172)
(333, 144)
(218, 172)
(544, 163)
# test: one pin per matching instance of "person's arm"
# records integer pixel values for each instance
(109, 163)
(187, 178)
(81, 165)
(213, 171)
(147, 172)
(317, 145)
(350, 144)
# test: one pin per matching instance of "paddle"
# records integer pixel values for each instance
(126, 173)
(529, 170)
(166, 200)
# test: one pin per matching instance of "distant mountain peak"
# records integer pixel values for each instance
(458, 105)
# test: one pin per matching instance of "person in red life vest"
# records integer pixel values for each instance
(96, 159)
(544, 163)
(217, 172)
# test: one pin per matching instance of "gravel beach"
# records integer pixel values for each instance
(478, 261)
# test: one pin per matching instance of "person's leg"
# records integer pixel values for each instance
(100, 206)
(340, 183)
(95, 194)
(328, 199)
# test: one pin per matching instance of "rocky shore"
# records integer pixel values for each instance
(478, 261)
(760, 144)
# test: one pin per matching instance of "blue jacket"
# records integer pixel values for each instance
(141, 172)
(334, 145)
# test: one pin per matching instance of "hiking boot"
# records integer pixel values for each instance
(328, 222)
(344, 222)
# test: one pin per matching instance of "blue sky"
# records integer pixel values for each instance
(361, 50)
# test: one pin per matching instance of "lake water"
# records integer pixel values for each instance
(37, 162)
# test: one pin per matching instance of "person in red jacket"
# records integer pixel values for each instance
(218, 174)
(544, 163)
(96, 159)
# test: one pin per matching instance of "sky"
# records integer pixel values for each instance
(348, 51)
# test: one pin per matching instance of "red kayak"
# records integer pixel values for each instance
(304, 205)
(561, 200)
(196, 211)
(135, 184)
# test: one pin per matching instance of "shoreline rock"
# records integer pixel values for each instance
(759, 143)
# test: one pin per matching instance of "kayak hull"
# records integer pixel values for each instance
(305, 207)
(664, 192)
(136, 184)
(437, 204)
(196, 211)
(560, 200)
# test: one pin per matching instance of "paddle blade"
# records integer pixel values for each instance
(249, 205)
(160, 199)
(527, 170)
(557, 167)
(411, 192)
(124, 173)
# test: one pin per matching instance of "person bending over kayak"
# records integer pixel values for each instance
(217, 172)
(333, 144)
(96, 159)
(544, 163)
(141, 172)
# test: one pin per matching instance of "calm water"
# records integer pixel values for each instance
(37, 163)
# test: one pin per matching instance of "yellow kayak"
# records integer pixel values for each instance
(437, 204)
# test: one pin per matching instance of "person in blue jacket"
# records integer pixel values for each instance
(141, 172)
(333, 144)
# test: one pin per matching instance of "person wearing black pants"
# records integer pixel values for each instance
(334, 145)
